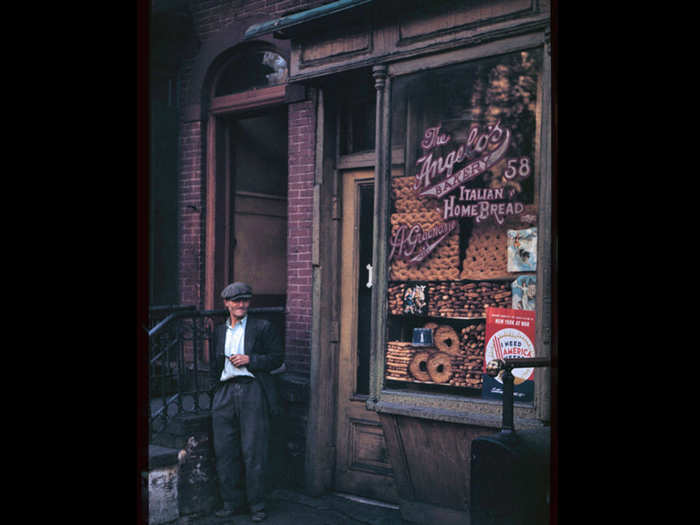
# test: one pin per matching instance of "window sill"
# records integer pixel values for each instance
(451, 409)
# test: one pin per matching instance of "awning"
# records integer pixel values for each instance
(284, 26)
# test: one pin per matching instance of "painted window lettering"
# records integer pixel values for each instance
(519, 166)
(475, 150)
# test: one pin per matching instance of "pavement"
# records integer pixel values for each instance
(286, 507)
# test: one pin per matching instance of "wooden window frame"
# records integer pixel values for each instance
(446, 407)
(254, 98)
(219, 210)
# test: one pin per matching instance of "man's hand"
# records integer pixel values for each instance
(239, 360)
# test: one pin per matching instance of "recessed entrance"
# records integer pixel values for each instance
(247, 136)
(362, 462)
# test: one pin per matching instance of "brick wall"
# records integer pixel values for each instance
(208, 18)
(299, 219)
(191, 223)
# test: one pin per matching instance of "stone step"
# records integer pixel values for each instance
(162, 477)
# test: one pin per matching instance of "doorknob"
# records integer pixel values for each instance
(369, 281)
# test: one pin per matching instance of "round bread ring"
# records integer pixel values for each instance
(446, 339)
(440, 367)
(419, 366)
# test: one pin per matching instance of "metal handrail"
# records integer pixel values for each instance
(164, 322)
(176, 347)
(170, 307)
(182, 311)
(507, 365)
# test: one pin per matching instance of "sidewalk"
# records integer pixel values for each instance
(285, 507)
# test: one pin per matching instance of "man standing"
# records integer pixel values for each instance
(245, 351)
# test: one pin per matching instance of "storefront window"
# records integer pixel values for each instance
(463, 232)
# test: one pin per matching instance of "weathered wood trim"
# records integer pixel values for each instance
(358, 32)
(368, 159)
(229, 225)
(508, 17)
(543, 334)
(320, 441)
(357, 160)
(210, 218)
(383, 467)
(478, 412)
(467, 39)
(467, 54)
(249, 99)
(399, 463)
(432, 466)
(382, 179)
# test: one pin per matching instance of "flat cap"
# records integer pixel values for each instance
(237, 290)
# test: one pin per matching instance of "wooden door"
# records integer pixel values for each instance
(362, 463)
(257, 162)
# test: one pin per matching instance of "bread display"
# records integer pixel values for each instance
(442, 262)
(462, 367)
(463, 222)
(459, 299)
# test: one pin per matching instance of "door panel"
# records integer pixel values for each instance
(367, 447)
(362, 463)
(260, 253)
(257, 161)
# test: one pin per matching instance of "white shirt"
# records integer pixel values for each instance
(235, 338)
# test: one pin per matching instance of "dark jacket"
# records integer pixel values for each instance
(263, 345)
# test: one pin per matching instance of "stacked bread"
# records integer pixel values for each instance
(459, 284)
(405, 198)
(455, 360)
(472, 345)
(486, 256)
(456, 298)
(443, 261)
(398, 357)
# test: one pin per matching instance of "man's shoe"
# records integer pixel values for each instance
(258, 516)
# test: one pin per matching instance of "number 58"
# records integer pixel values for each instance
(520, 166)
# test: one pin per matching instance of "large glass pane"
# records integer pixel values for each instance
(364, 293)
(463, 219)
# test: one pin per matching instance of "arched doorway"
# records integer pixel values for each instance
(246, 179)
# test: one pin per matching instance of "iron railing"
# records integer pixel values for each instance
(179, 345)
(507, 365)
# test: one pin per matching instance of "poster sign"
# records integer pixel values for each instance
(415, 300)
(524, 290)
(522, 250)
(509, 334)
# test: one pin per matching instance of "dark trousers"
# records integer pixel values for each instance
(241, 425)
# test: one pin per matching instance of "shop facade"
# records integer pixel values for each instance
(383, 170)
